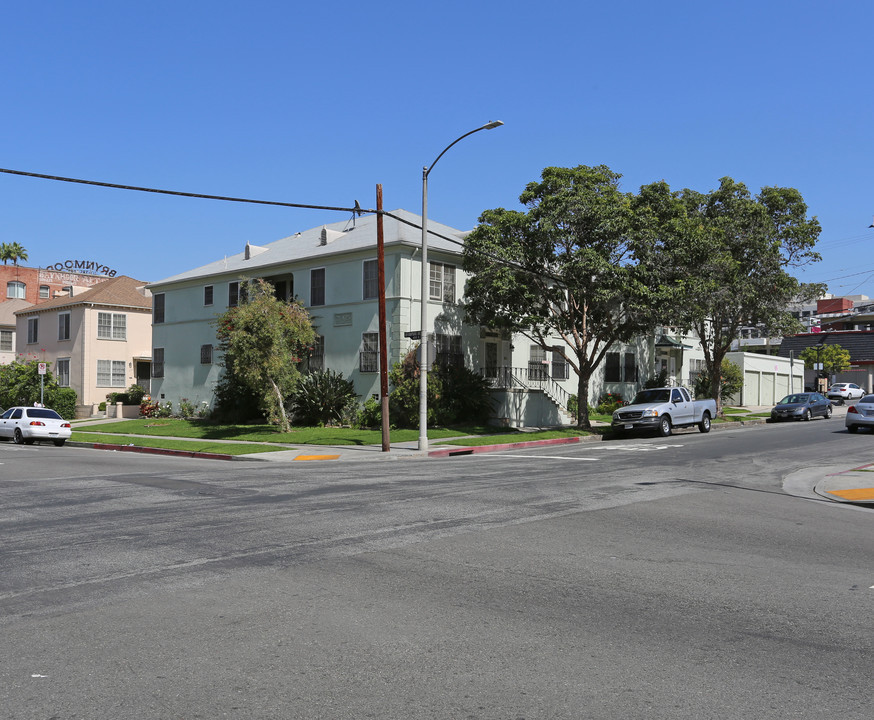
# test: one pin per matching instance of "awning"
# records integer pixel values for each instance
(666, 342)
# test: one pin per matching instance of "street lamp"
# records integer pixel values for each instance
(423, 344)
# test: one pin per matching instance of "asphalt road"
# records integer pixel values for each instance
(657, 578)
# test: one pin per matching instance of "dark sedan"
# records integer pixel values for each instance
(802, 406)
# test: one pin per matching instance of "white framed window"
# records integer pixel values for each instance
(442, 282)
(157, 362)
(158, 308)
(63, 326)
(32, 330)
(448, 350)
(45, 292)
(371, 280)
(62, 371)
(110, 373)
(206, 354)
(369, 357)
(207, 295)
(5, 341)
(317, 286)
(15, 289)
(111, 326)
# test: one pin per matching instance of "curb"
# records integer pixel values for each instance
(476, 449)
(154, 451)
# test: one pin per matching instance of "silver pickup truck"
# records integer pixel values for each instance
(662, 409)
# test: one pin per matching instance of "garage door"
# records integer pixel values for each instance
(751, 388)
(766, 397)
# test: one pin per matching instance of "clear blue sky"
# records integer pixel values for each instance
(318, 102)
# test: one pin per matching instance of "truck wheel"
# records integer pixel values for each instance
(664, 426)
(704, 425)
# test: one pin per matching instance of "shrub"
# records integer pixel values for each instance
(369, 414)
(63, 401)
(609, 403)
(186, 408)
(323, 398)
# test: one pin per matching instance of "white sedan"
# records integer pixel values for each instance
(843, 392)
(26, 424)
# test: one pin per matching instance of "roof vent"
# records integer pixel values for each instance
(328, 235)
(253, 250)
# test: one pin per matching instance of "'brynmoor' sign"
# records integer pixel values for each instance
(88, 267)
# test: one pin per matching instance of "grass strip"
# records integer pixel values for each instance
(201, 430)
(518, 437)
(168, 444)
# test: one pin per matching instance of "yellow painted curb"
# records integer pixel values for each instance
(317, 457)
(855, 494)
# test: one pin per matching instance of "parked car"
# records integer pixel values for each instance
(801, 406)
(842, 392)
(860, 414)
(26, 424)
(662, 409)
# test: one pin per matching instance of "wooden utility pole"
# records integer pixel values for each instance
(383, 339)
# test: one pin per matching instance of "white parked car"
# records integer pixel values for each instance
(26, 424)
(844, 392)
(860, 414)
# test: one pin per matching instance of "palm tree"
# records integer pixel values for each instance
(5, 252)
(17, 252)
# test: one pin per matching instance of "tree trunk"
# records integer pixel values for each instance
(583, 401)
(284, 425)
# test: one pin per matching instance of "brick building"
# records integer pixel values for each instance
(37, 285)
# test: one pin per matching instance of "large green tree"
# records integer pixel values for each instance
(834, 358)
(724, 259)
(567, 267)
(262, 341)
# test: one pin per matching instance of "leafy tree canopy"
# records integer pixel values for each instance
(569, 266)
(834, 358)
(724, 257)
(262, 340)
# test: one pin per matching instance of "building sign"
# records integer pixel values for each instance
(87, 267)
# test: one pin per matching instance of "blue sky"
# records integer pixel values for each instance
(318, 102)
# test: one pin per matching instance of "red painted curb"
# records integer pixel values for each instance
(162, 451)
(475, 449)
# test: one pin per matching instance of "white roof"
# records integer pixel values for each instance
(326, 240)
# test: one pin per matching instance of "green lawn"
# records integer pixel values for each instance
(171, 427)
(169, 444)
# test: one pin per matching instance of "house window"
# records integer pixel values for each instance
(207, 295)
(32, 330)
(110, 373)
(316, 362)
(317, 286)
(158, 308)
(369, 358)
(15, 289)
(62, 372)
(6, 340)
(537, 364)
(44, 292)
(448, 350)
(620, 367)
(206, 354)
(64, 326)
(233, 294)
(442, 285)
(111, 326)
(157, 362)
(371, 279)
(559, 366)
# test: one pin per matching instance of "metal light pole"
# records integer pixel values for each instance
(423, 343)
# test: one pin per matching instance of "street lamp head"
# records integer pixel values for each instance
(492, 124)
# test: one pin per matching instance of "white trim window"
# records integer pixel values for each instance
(62, 372)
(368, 360)
(111, 326)
(45, 292)
(32, 330)
(442, 282)
(317, 286)
(207, 295)
(110, 373)
(63, 326)
(371, 280)
(6, 341)
(16, 290)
